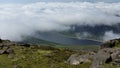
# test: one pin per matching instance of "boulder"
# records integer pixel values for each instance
(116, 62)
(76, 59)
(73, 59)
(6, 50)
(109, 53)
(108, 44)
(103, 56)
(3, 50)
(10, 50)
(106, 55)
(115, 53)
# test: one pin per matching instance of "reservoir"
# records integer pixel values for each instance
(61, 39)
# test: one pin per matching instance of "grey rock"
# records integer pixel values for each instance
(73, 59)
(6, 50)
(3, 50)
(103, 56)
(116, 62)
(10, 50)
(106, 55)
(115, 53)
(108, 44)
(76, 59)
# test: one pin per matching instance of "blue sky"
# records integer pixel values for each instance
(32, 1)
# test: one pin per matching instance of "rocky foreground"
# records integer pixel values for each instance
(17, 55)
(108, 56)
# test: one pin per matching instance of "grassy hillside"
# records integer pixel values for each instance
(38, 57)
(14, 55)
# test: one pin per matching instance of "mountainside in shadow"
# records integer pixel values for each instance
(77, 33)
(95, 32)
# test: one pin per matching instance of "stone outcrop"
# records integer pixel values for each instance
(73, 59)
(110, 43)
(116, 62)
(109, 53)
(4, 49)
(103, 56)
(76, 59)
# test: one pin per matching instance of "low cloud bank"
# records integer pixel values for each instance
(110, 35)
(17, 20)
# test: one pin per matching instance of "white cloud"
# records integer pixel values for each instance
(17, 20)
(110, 35)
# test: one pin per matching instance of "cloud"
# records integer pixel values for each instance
(17, 20)
(32, 1)
(110, 35)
